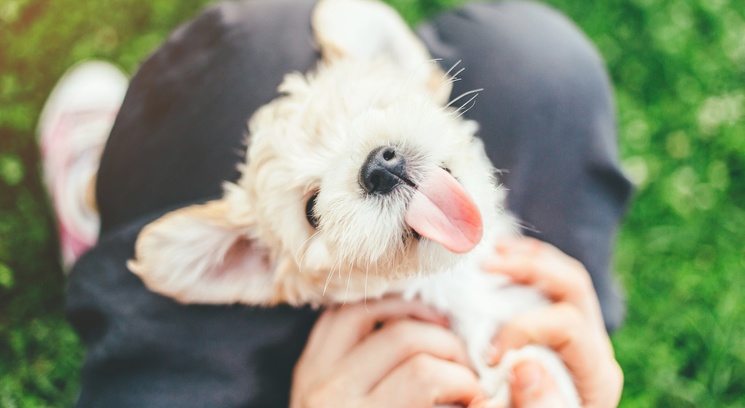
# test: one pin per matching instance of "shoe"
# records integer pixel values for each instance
(73, 127)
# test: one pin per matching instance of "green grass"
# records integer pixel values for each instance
(679, 71)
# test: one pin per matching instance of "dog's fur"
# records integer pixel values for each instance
(255, 246)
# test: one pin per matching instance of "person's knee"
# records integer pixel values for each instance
(188, 104)
(559, 50)
(533, 45)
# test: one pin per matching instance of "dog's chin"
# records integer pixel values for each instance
(433, 258)
(419, 257)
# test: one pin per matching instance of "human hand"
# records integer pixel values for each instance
(412, 360)
(531, 386)
(572, 326)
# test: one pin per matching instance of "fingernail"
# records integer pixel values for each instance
(528, 376)
(493, 404)
(491, 356)
(487, 265)
(477, 402)
(492, 261)
(506, 244)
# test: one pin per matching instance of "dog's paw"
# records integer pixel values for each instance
(496, 381)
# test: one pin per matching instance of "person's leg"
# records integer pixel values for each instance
(179, 136)
(181, 131)
(73, 127)
(547, 119)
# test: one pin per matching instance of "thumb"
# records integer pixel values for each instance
(479, 402)
(533, 387)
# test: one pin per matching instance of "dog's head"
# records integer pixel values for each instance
(355, 176)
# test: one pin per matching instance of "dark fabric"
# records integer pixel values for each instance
(179, 135)
(145, 350)
(546, 117)
(181, 130)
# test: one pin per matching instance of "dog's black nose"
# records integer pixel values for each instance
(383, 170)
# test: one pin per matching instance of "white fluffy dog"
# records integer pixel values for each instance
(359, 183)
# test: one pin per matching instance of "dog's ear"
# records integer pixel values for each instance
(367, 29)
(204, 254)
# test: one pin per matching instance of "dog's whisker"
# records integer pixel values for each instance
(453, 80)
(299, 261)
(455, 77)
(463, 112)
(447, 74)
(452, 68)
(463, 95)
(349, 281)
(413, 72)
(328, 281)
(367, 272)
(337, 266)
(523, 225)
(329, 277)
(340, 269)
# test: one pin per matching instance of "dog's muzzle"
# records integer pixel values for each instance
(383, 170)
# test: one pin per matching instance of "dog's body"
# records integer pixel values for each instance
(359, 183)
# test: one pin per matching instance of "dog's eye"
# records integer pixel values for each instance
(310, 211)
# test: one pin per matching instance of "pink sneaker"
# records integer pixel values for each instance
(73, 128)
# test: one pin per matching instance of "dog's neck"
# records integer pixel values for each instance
(324, 287)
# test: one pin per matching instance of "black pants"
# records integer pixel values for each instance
(546, 116)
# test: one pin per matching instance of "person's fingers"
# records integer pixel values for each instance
(573, 326)
(586, 352)
(533, 387)
(402, 339)
(533, 262)
(560, 277)
(341, 328)
(558, 327)
(338, 330)
(482, 402)
(437, 381)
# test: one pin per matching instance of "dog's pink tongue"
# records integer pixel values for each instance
(442, 211)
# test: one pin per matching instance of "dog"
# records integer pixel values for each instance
(360, 181)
